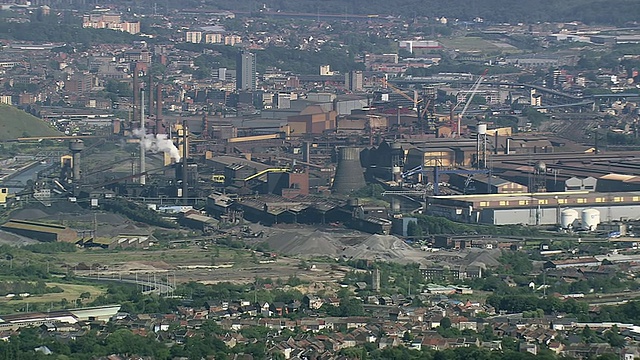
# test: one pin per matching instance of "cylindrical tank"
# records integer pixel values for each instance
(76, 146)
(482, 129)
(568, 217)
(590, 219)
(349, 174)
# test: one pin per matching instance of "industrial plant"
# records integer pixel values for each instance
(367, 161)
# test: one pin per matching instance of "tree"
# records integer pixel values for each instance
(351, 307)
(414, 230)
(445, 323)
(614, 338)
(588, 335)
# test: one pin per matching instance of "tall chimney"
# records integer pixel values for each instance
(143, 165)
(159, 128)
(136, 92)
(205, 126)
(150, 94)
(185, 153)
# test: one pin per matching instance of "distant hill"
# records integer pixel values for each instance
(15, 123)
(589, 11)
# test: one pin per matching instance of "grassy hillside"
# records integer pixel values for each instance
(15, 123)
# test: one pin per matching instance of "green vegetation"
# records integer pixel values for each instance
(200, 293)
(622, 139)
(535, 117)
(371, 191)
(457, 66)
(550, 305)
(433, 225)
(137, 212)
(505, 121)
(64, 29)
(627, 313)
(515, 262)
(394, 278)
(15, 123)
(286, 58)
(21, 287)
(51, 247)
(588, 11)
(207, 344)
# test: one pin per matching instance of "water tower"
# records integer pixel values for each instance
(539, 177)
(76, 146)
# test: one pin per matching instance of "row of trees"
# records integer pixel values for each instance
(439, 225)
(550, 305)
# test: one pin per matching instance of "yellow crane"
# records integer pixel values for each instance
(415, 100)
(270, 170)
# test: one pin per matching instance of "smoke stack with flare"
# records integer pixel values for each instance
(158, 143)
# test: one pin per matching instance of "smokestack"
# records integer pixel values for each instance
(185, 153)
(136, 92)
(451, 120)
(143, 165)
(159, 128)
(205, 126)
(306, 152)
(150, 94)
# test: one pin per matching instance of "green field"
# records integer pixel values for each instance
(71, 293)
(179, 256)
(15, 123)
(476, 44)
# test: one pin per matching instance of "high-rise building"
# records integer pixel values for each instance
(246, 71)
(353, 81)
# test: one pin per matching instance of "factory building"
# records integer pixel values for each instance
(73, 316)
(314, 119)
(40, 231)
(533, 208)
(289, 184)
(483, 184)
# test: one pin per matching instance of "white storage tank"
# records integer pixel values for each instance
(590, 219)
(568, 217)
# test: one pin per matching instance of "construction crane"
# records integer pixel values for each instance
(474, 89)
(271, 170)
(414, 100)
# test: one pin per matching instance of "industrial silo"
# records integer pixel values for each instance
(590, 219)
(349, 173)
(568, 217)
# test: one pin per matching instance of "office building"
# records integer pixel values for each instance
(353, 81)
(246, 71)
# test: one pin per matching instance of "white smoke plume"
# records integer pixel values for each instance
(158, 143)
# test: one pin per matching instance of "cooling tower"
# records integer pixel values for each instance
(349, 174)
